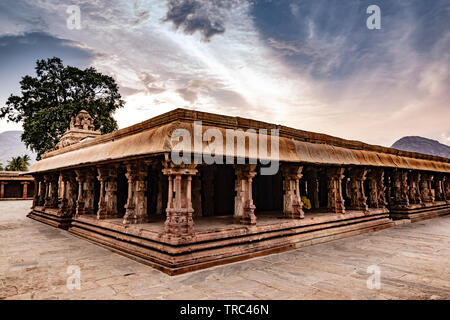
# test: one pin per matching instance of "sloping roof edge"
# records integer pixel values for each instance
(157, 139)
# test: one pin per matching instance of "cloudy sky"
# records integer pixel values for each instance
(312, 65)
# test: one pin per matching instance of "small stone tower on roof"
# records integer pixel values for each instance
(81, 127)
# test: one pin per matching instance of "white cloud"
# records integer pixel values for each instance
(394, 91)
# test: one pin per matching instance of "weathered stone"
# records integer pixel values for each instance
(414, 190)
(334, 181)
(400, 188)
(136, 207)
(244, 209)
(358, 200)
(292, 203)
(68, 203)
(377, 196)
(179, 222)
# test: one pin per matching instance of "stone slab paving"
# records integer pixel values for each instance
(414, 260)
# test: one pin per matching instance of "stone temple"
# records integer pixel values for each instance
(16, 185)
(128, 191)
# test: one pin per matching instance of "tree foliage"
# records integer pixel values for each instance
(57, 93)
(19, 163)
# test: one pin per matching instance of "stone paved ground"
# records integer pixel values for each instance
(414, 260)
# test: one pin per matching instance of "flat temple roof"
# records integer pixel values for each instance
(153, 136)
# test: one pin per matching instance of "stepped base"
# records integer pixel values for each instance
(50, 217)
(220, 241)
(421, 212)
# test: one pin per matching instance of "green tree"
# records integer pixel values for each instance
(18, 163)
(1, 167)
(57, 93)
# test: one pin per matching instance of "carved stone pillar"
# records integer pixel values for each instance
(107, 204)
(62, 193)
(136, 207)
(51, 182)
(110, 194)
(80, 178)
(2, 189)
(377, 197)
(334, 180)
(358, 199)
(37, 181)
(86, 191)
(69, 194)
(89, 192)
(414, 191)
(102, 177)
(388, 184)
(179, 222)
(439, 188)
(244, 209)
(42, 192)
(400, 188)
(25, 189)
(446, 186)
(292, 203)
(425, 188)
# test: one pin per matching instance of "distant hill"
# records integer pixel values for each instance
(12, 146)
(422, 145)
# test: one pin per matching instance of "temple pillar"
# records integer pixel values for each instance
(244, 209)
(107, 204)
(42, 190)
(179, 222)
(439, 188)
(334, 180)
(136, 207)
(102, 177)
(37, 181)
(69, 194)
(25, 189)
(400, 188)
(86, 191)
(51, 198)
(377, 197)
(446, 187)
(414, 188)
(358, 199)
(110, 194)
(89, 192)
(80, 177)
(292, 203)
(388, 185)
(2, 189)
(425, 188)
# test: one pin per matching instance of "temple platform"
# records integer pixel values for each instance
(419, 212)
(217, 240)
(51, 217)
(15, 199)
